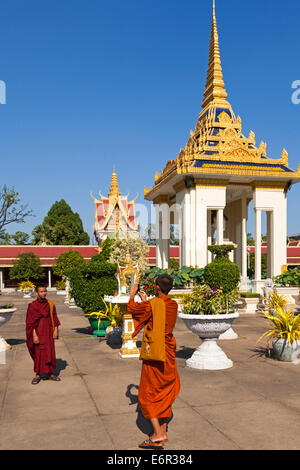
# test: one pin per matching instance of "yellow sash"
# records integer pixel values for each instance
(153, 344)
(51, 312)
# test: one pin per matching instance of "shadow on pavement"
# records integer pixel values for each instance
(61, 364)
(15, 342)
(185, 353)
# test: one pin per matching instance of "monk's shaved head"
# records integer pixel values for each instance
(165, 283)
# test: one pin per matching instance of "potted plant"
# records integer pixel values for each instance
(249, 302)
(284, 334)
(6, 312)
(275, 301)
(210, 310)
(27, 287)
(100, 321)
(288, 284)
(60, 287)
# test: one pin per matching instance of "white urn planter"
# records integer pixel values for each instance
(61, 292)
(28, 293)
(5, 316)
(209, 355)
(249, 305)
(291, 293)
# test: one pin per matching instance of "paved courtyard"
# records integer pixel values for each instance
(254, 405)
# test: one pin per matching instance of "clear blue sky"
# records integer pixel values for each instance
(93, 83)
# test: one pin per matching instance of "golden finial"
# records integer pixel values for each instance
(215, 87)
(114, 187)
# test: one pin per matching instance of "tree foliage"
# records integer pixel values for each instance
(66, 261)
(61, 226)
(11, 211)
(137, 248)
(27, 267)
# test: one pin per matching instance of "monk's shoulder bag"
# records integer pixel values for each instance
(153, 344)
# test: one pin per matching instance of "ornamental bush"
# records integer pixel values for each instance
(222, 272)
(90, 282)
(68, 260)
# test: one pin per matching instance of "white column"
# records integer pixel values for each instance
(193, 227)
(1, 278)
(49, 278)
(179, 211)
(220, 225)
(201, 229)
(209, 235)
(158, 237)
(165, 219)
(257, 244)
(187, 229)
(244, 234)
(270, 242)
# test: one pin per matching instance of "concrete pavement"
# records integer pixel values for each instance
(254, 405)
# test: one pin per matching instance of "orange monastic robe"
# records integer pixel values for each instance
(160, 383)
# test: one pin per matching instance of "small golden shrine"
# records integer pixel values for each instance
(114, 214)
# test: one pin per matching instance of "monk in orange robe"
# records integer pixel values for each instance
(41, 330)
(160, 383)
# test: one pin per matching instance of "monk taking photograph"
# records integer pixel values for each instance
(41, 330)
(160, 383)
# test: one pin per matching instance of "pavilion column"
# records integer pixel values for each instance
(49, 278)
(257, 245)
(220, 226)
(187, 229)
(165, 233)
(244, 234)
(2, 278)
(193, 232)
(269, 243)
(201, 229)
(159, 248)
(209, 235)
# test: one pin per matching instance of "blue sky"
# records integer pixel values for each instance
(93, 84)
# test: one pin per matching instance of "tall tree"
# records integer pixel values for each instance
(61, 226)
(27, 267)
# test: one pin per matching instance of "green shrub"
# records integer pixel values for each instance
(222, 273)
(68, 260)
(91, 282)
(290, 278)
(248, 295)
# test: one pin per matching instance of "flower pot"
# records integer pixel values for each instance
(209, 355)
(94, 321)
(114, 335)
(28, 293)
(284, 351)
(60, 292)
(249, 305)
(291, 293)
(5, 316)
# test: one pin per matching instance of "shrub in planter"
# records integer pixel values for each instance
(90, 282)
(222, 272)
(205, 300)
(290, 278)
(248, 295)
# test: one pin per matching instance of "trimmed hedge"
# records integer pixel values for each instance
(222, 272)
(91, 282)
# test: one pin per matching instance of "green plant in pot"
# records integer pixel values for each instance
(284, 334)
(100, 321)
(210, 310)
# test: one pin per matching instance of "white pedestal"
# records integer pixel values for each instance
(229, 334)
(209, 356)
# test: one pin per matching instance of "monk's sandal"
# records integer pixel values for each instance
(55, 378)
(35, 381)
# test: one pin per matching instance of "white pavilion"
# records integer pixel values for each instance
(208, 187)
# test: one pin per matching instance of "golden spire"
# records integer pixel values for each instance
(114, 187)
(215, 89)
